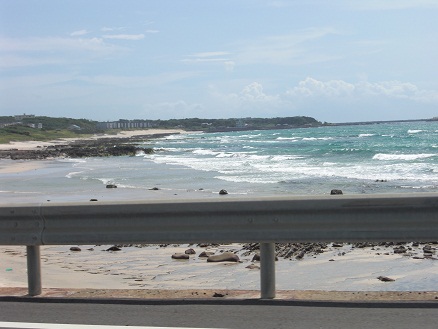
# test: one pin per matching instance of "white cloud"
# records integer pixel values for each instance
(360, 4)
(338, 89)
(53, 44)
(22, 52)
(369, 101)
(254, 93)
(205, 57)
(283, 49)
(152, 31)
(311, 87)
(138, 81)
(252, 100)
(124, 36)
(109, 29)
(289, 49)
(79, 33)
(211, 54)
(389, 4)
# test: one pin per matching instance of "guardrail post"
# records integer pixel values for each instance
(267, 270)
(34, 270)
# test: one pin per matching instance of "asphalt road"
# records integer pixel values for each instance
(252, 314)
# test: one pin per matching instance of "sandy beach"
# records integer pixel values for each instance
(11, 167)
(33, 145)
(353, 271)
(18, 166)
(343, 271)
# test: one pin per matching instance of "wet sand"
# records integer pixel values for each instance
(15, 167)
(152, 268)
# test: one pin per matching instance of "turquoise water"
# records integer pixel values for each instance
(378, 158)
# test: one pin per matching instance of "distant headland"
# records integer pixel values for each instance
(25, 127)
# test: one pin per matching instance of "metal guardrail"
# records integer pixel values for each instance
(392, 217)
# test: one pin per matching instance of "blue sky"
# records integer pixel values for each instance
(337, 61)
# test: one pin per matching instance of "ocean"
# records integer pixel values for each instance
(362, 159)
(357, 159)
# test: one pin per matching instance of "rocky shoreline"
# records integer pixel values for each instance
(101, 147)
(415, 250)
(298, 251)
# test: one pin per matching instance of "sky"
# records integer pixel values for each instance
(336, 61)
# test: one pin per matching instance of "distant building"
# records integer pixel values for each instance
(124, 124)
(23, 116)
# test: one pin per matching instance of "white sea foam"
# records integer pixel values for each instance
(366, 135)
(280, 158)
(329, 164)
(71, 160)
(106, 181)
(407, 157)
(317, 138)
(176, 137)
(414, 131)
(205, 152)
(287, 138)
(74, 173)
(419, 187)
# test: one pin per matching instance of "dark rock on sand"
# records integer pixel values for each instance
(113, 248)
(205, 245)
(180, 256)
(288, 250)
(385, 279)
(111, 186)
(253, 267)
(206, 254)
(256, 258)
(190, 251)
(225, 257)
(223, 192)
(75, 249)
(427, 247)
(400, 250)
(334, 192)
(216, 294)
